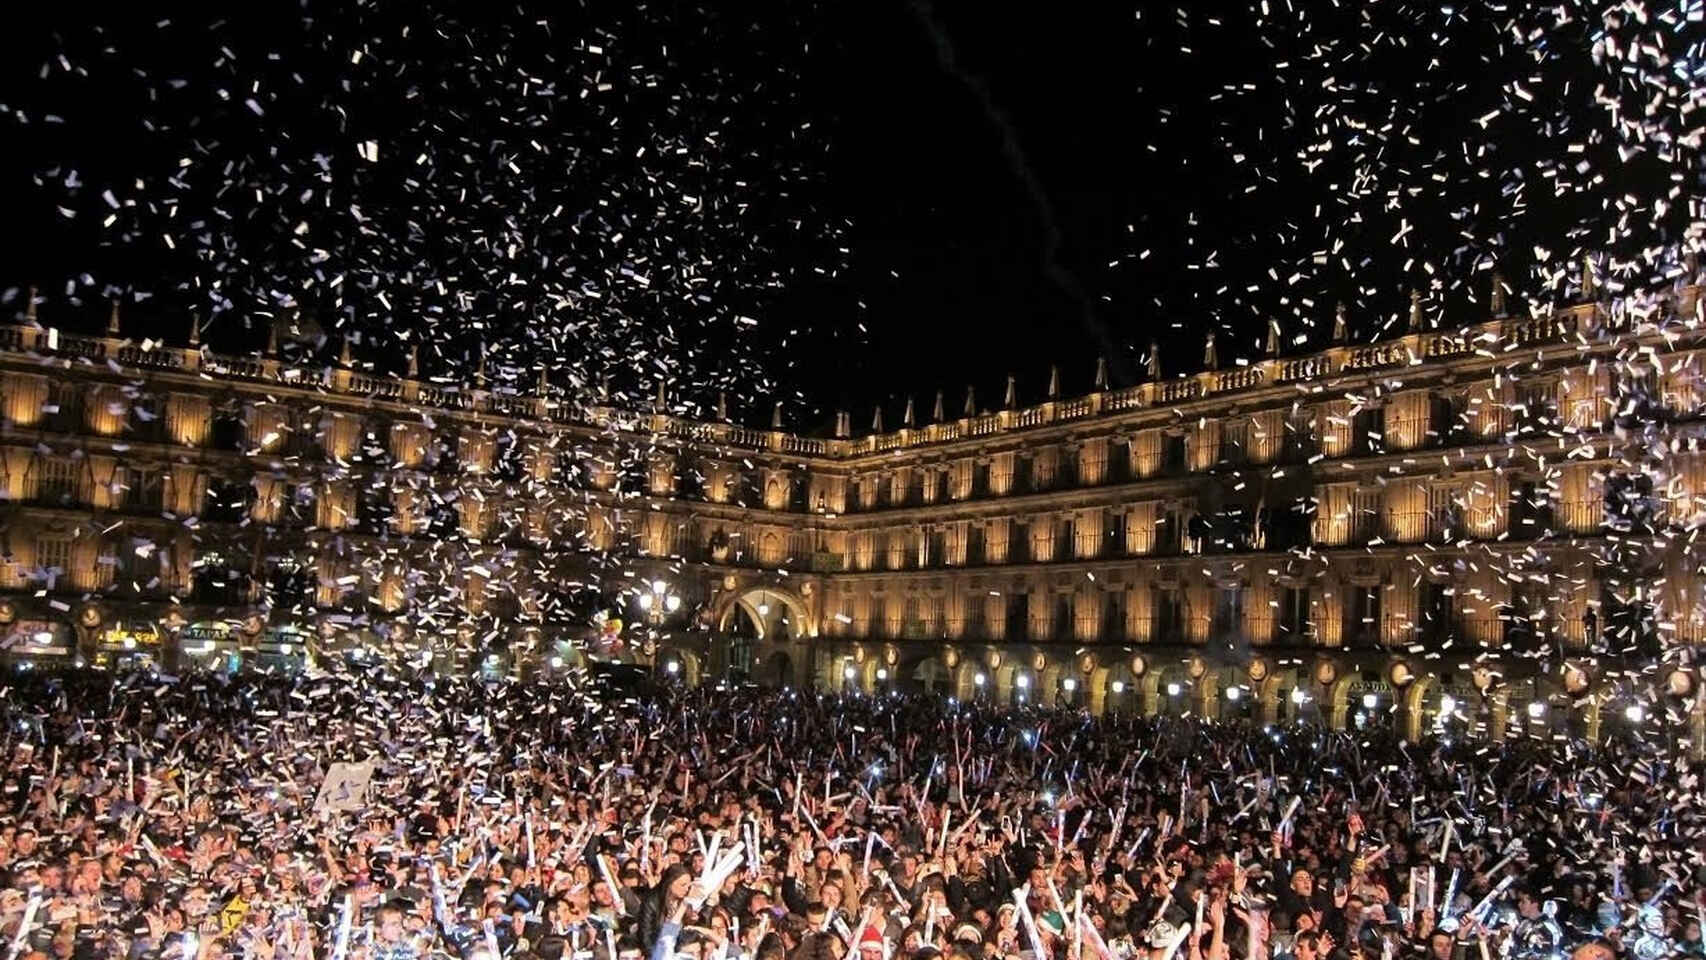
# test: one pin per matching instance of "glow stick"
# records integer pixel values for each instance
(1486, 903)
(1290, 810)
(1493, 871)
(342, 943)
(610, 881)
(854, 935)
(1173, 944)
(1094, 937)
(24, 926)
(1450, 892)
(1029, 923)
(1077, 948)
(1138, 842)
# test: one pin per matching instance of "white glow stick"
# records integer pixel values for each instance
(342, 943)
(1173, 944)
(1029, 923)
(24, 926)
(610, 881)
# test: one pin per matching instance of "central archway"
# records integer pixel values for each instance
(761, 633)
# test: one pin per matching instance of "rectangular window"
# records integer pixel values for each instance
(58, 479)
(1294, 627)
(53, 555)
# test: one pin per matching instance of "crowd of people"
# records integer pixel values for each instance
(379, 816)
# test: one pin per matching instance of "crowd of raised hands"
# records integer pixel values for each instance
(384, 816)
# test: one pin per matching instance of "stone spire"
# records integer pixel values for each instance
(1500, 307)
(414, 360)
(480, 367)
(660, 401)
(971, 401)
(195, 331)
(30, 306)
(843, 424)
(1341, 326)
(1210, 356)
(1012, 397)
(1273, 346)
(1415, 311)
(939, 414)
(776, 416)
(877, 420)
(544, 381)
(907, 419)
(1153, 367)
(343, 353)
(1101, 373)
(1053, 382)
(723, 405)
(1590, 283)
(112, 320)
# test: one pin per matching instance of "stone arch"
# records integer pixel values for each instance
(1498, 705)
(768, 607)
(965, 686)
(690, 664)
(1095, 687)
(1002, 678)
(1247, 704)
(1335, 712)
(1048, 683)
(925, 673)
(1170, 677)
(778, 670)
(1205, 695)
(1416, 716)
(1129, 696)
(1151, 691)
(1272, 695)
(1586, 715)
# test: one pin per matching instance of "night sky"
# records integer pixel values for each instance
(971, 190)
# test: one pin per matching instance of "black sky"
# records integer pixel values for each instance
(1029, 185)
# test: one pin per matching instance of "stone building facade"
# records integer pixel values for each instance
(1489, 527)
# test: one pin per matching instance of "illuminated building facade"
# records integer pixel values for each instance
(1487, 527)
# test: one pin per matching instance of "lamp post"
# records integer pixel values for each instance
(658, 601)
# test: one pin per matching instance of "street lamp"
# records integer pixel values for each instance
(658, 601)
(1173, 689)
(1118, 686)
(1634, 713)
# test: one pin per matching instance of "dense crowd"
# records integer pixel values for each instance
(394, 817)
